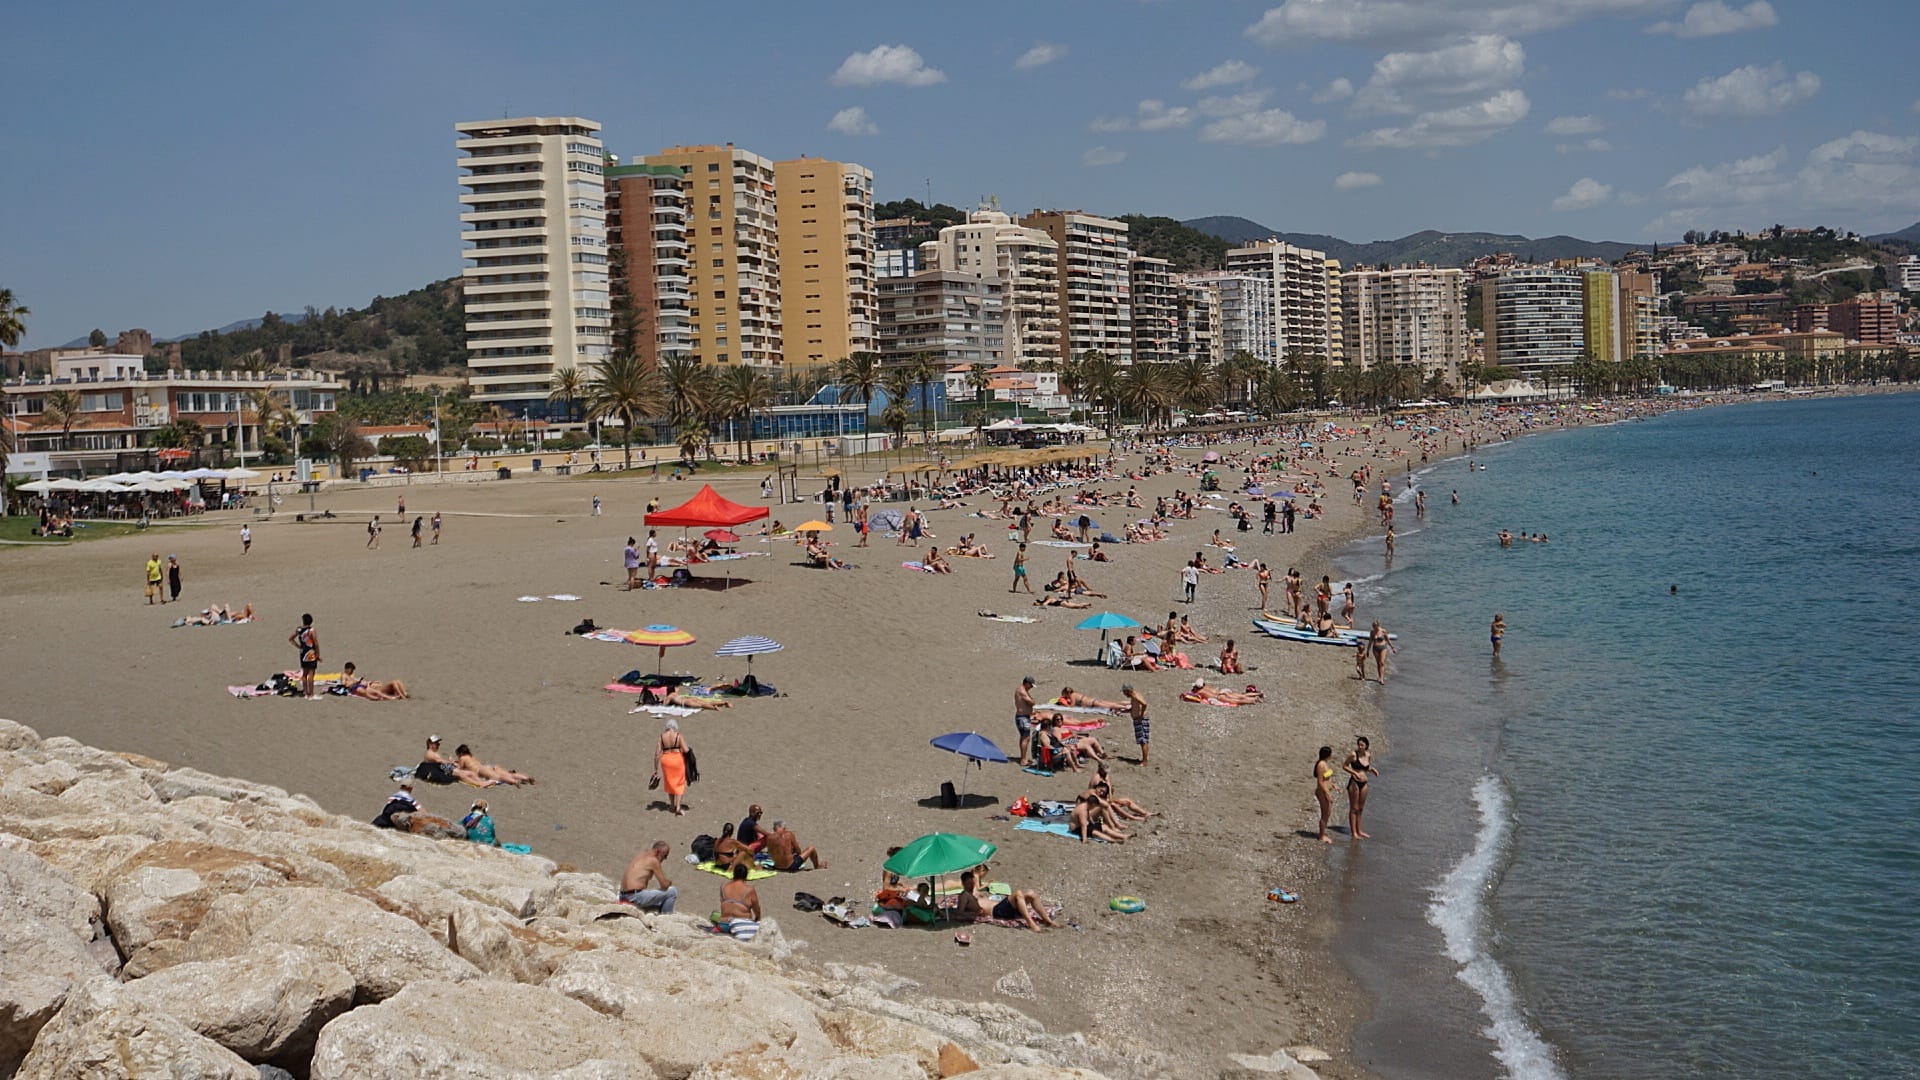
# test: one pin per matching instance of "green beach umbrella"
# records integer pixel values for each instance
(939, 853)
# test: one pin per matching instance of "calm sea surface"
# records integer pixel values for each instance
(1667, 834)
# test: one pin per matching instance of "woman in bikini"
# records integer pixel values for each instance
(463, 758)
(1230, 660)
(1378, 642)
(1359, 766)
(1323, 789)
(1265, 577)
(1347, 605)
(1293, 591)
(670, 765)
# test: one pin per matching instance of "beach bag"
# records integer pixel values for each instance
(702, 847)
(949, 795)
(585, 627)
(806, 901)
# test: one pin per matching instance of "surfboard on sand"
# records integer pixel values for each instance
(1286, 631)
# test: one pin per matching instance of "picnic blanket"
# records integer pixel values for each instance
(755, 874)
(1051, 828)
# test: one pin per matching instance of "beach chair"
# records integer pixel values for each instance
(1116, 655)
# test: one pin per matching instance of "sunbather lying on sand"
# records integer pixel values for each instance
(372, 689)
(1019, 905)
(1060, 601)
(1201, 690)
(675, 697)
(218, 615)
(434, 768)
(463, 758)
(1070, 696)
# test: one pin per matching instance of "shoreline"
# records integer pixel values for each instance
(877, 662)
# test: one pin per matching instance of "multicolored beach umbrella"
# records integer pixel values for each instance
(662, 637)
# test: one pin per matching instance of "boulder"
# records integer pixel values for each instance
(176, 784)
(45, 777)
(688, 1011)
(383, 951)
(481, 934)
(41, 959)
(101, 1033)
(31, 886)
(474, 1030)
(110, 795)
(268, 1004)
(17, 736)
(165, 889)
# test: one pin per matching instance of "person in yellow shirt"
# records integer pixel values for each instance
(153, 579)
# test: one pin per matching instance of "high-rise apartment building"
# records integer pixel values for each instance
(647, 257)
(1246, 313)
(1336, 317)
(1197, 319)
(1639, 313)
(1870, 322)
(534, 225)
(827, 298)
(734, 313)
(1413, 316)
(1534, 320)
(955, 316)
(1094, 287)
(1905, 274)
(1302, 302)
(1601, 316)
(1155, 304)
(1026, 261)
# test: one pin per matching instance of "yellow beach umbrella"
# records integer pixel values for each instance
(813, 526)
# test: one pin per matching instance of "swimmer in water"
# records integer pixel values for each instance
(1498, 633)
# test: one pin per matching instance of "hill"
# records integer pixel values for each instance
(420, 331)
(1431, 246)
(1907, 239)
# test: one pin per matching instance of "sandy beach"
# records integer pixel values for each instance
(878, 660)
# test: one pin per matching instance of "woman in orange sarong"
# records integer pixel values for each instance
(670, 764)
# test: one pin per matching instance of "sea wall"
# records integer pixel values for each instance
(159, 921)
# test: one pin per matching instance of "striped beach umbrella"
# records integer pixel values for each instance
(663, 637)
(750, 646)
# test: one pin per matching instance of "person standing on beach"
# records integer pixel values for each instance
(1142, 726)
(373, 532)
(1190, 577)
(1020, 571)
(1323, 789)
(1263, 575)
(653, 554)
(1420, 503)
(307, 643)
(1023, 716)
(173, 577)
(400, 501)
(596, 506)
(419, 530)
(1378, 642)
(436, 530)
(1286, 517)
(1498, 633)
(154, 572)
(246, 539)
(631, 558)
(1359, 766)
(1389, 543)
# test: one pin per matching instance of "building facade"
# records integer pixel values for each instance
(734, 309)
(1601, 317)
(1336, 316)
(648, 266)
(1534, 320)
(1246, 313)
(1414, 316)
(1026, 261)
(1093, 285)
(1302, 304)
(1155, 305)
(1871, 322)
(957, 317)
(533, 227)
(1197, 320)
(826, 245)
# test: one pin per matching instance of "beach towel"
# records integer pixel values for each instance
(608, 635)
(517, 849)
(562, 596)
(249, 691)
(1078, 726)
(624, 688)
(662, 710)
(1060, 544)
(527, 599)
(922, 567)
(743, 930)
(755, 874)
(1006, 618)
(1051, 828)
(1037, 770)
(1087, 710)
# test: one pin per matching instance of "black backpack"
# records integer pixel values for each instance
(703, 847)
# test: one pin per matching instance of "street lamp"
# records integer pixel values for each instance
(439, 465)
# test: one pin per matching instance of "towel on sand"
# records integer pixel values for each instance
(663, 710)
(1052, 828)
(996, 617)
(755, 874)
(922, 567)
(1218, 704)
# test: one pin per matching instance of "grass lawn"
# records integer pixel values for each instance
(21, 529)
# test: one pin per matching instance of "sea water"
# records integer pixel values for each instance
(1671, 832)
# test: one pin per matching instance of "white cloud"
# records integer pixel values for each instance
(1104, 124)
(1340, 90)
(1100, 155)
(1862, 173)
(1301, 23)
(1244, 102)
(1585, 194)
(1403, 82)
(1156, 115)
(1733, 183)
(1353, 181)
(1750, 91)
(1575, 125)
(898, 64)
(1227, 74)
(1460, 126)
(1585, 146)
(1916, 105)
(1267, 127)
(853, 121)
(1039, 56)
(1713, 17)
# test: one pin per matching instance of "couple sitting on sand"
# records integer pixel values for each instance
(464, 768)
(738, 848)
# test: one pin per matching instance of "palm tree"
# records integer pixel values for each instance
(690, 436)
(977, 380)
(859, 375)
(1195, 385)
(566, 388)
(1310, 370)
(624, 387)
(744, 391)
(62, 410)
(1241, 372)
(1100, 378)
(1276, 392)
(897, 385)
(13, 319)
(687, 386)
(924, 370)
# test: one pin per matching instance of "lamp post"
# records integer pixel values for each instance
(439, 466)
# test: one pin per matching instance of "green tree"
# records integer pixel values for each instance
(338, 438)
(1149, 391)
(1238, 376)
(62, 410)
(924, 369)
(184, 433)
(13, 319)
(1194, 383)
(97, 339)
(1100, 379)
(744, 392)
(896, 384)
(859, 375)
(977, 381)
(625, 388)
(690, 435)
(566, 388)
(687, 387)
(1310, 370)
(1276, 391)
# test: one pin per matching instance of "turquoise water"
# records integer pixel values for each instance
(1666, 834)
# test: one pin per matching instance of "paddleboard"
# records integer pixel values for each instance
(1288, 632)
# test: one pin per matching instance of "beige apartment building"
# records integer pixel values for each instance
(1197, 319)
(1336, 316)
(533, 232)
(734, 303)
(1026, 261)
(1094, 288)
(1413, 316)
(828, 298)
(1302, 299)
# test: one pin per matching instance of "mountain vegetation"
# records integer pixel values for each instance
(1428, 246)
(1187, 248)
(420, 331)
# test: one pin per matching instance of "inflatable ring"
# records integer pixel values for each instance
(1127, 905)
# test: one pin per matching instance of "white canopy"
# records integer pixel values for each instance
(242, 474)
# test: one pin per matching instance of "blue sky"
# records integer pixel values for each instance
(178, 167)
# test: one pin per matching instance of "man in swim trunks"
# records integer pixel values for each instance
(788, 855)
(1142, 726)
(1023, 716)
(649, 867)
(1019, 905)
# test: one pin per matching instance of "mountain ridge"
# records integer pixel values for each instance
(1428, 245)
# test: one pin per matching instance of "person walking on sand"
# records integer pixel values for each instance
(419, 530)
(596, 506)
(1498, 632)
(631, 557)
(1347, 606)
(1323, 789)
(246, 539)
(1359, 766)
(670, 765)
(154, 572)
(373, 532)
(307, 643)
(1190, 578)
(436, 530)
(1137, 711)
(173, 578)
(400, 502)
(1020, 571)
(1360, 651)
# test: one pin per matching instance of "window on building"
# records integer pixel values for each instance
(713, 166)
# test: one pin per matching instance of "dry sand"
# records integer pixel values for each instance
(877, 662)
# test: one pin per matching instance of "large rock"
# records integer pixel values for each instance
(40, 961)
(15, 736)
(182, 783)
(32, 887)
(478, 1031)
(101, 1033)
(165, 889)
(265, 1005)
(689, 1011)
(481, 934)
(383, 951)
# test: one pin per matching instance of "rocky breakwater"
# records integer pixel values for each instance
(159, 921)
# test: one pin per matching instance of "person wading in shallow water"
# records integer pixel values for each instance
(1359, 766)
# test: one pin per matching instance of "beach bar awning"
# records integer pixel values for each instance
(707, 508)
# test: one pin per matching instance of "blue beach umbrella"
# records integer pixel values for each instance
(1104, 622)
(972, 746)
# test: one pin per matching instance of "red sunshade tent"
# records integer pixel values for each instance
(707, 508)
